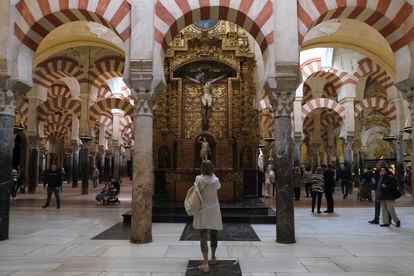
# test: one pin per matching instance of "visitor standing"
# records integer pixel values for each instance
(95, 176)
(208, 220)
(317, 189)
(345, 179)
(387, 184)
(329, 187)
(53, 180)
(297, 182)
(14, 186)
(269, 179)
(307, 180)
(380, 164)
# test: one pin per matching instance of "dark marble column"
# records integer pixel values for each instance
(348, 161)
(282, 102)
(84, 156)
(329, 152)
(6, 155)
(362, 164)
(75, 165)
(107, 167)
(101, 165)
(296, 159)
(70, 166)
(399, 160)
(33, 164)
(116, 161)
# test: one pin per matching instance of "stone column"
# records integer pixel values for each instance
(406, 88)
(75, 164)
(296, 159)
(362, 165)
(348, 160)
(314, 151)
(101, 163)
(33, 164)
(116, 161)
(107, 167)
(84, 156)
(399, 160)
(282, 93)
(70, 165)
(143, 186)
(7, 108)
(329, 152)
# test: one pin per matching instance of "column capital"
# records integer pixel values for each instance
(144, 100)
(75, 145)
(349, 142)
(406, 88)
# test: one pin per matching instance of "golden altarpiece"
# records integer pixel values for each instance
(224, 128)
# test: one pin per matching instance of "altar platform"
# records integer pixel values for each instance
(252, 211)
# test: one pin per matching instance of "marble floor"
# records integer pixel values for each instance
(58, 242)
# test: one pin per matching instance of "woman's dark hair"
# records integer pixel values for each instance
(206, 167)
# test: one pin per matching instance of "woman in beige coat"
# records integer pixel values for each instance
(209, 219)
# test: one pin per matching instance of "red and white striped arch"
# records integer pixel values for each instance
(253, 16)
(319, 103)
(107, 68)
(59, 90)
(312, 68)
(389, 17)
(58, 131)
(109, 104)
(59, 104)
(368, 68)
(37, 18)
(60, 119)
(54, 69)
(380, 104)
(104, 92)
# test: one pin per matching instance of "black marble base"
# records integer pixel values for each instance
(221, 268)
(250, 211)
(117, 232)
(230, 232)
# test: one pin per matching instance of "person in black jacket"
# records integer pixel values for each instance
(329, 186)
(53, 180)
(387, 183)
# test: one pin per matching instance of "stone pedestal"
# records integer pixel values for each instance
(75, 166)
(84, 156)
(6, 154)
(33, 164)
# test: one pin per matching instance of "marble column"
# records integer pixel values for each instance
(282, 93)
(329, 152)
(314, 148)
(116, 162)
(101, 164)
(6, 154)
(399, 160)
(75, 165)
(84, 156)
(70, 165)
(143, 186)
(348, 161)
(362, 164)
(33, 164)
(296, 159)
(107, 167)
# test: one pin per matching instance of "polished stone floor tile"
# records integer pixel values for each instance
(244, 252)
(135, 251)
(320, 265)
(90, 264)
(271, 265)
(193, 252)
(365, 264)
